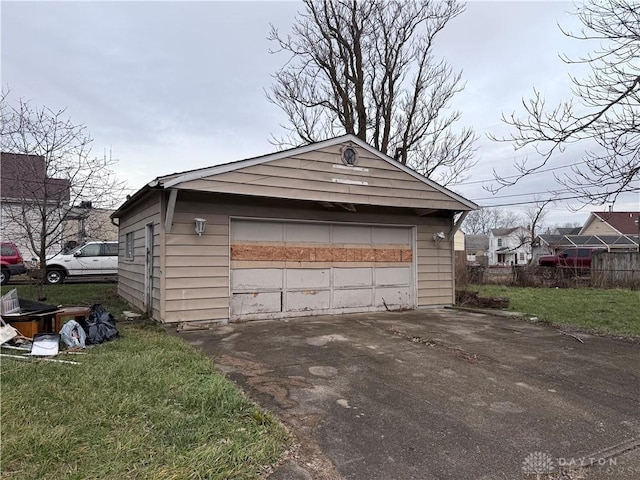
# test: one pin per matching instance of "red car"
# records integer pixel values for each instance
(571, 257)
(574, 261)
(11, 261)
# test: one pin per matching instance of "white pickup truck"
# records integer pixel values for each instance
(92, 258)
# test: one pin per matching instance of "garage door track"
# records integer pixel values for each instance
(439, 394)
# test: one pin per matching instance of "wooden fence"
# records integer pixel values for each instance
(462, 276)
(616, 269)
(608, 270)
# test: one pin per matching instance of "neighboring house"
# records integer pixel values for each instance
(24, 187)
(458, 241)
(567, 231)
(477, 249)
(612, 231)
(548, 244)
(509, 246)
(611, 223)
(85, 223)
(331, 227)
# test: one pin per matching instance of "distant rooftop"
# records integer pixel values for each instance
(623, 222)
(25, 177)
(501, 232)
(569, 230)
(591, 241)
(476, 243)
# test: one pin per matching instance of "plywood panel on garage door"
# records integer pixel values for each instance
(293, 268)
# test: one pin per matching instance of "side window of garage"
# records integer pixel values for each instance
(128, 246)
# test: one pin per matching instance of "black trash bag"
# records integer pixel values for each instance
(100, 326)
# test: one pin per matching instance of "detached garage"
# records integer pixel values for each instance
(325, 228)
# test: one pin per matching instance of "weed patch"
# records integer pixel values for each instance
(604, 311)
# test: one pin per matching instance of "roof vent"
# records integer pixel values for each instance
(349, 155)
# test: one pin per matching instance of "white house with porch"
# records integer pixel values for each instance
(509, 246)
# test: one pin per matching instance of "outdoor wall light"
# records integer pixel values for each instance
(438, 237)
(200, 224)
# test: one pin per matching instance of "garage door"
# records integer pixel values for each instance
(288, 268)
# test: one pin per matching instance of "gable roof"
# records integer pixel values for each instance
(24, 177)
(568, 230)
(621, 222)
(175, 179)
(194, 179)
(476, 243)
(503, 232)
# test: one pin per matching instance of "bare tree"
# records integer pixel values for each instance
(533, 217)
(483, 220)
(566, 225)
(85, 223)
(368, 68)
(48, 167)
(604, 113)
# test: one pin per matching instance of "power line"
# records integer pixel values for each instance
(566, 190)
(499, 158)
(574, 197)
(550, 169)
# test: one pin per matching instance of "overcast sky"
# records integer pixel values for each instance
(171, 86)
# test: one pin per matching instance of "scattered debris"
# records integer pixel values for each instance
(398, 309)
(7, 332)
(459, 352)
(27, 316)
(127, 315)
(45, 345)
(385, 305)
(186, 327)
(9, 302)
(26, 357)
(73, 335)
(571, 335)
(471, 299)
(32, 329)
(195, 326)
(12, 347)
(100, 326)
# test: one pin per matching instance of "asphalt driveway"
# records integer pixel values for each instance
(439, 394)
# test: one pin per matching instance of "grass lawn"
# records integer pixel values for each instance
(146, 405)
(606, 311)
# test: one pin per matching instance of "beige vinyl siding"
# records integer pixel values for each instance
(196, 267)
(458, 241)
(435, 265)
(157, 273)
(598, 227)
(131, 272)
(314, 176)
(205, 315)
(196, 274)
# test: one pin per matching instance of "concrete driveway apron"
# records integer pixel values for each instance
(439, 394)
